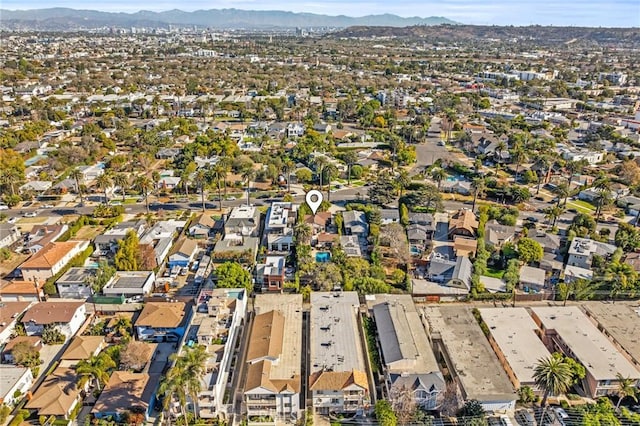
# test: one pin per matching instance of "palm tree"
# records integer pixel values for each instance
(544, 164)
(173, 386)
(104, 182)
(330, 171)
(349, 157)
(302, 232)
(202, 180)
(552, 214)
(121, 180)
(604, 198)
(438, 175)
(77, 175)
(478, 185)
(95, 369)
(626, 388)
(219, 173)
(319, 163)
(144, 185)
(562, 192)
(247, 176)
(573, 167)
(553, 375)
(402, 181)
(192, 366)
(518, 156)
(287, 168)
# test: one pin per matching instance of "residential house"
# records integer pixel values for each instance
(9, 314)
(82, 348)
(338, 374)
(58, 395)
(573, 273)
(76, 283)
(582, 250)
(388, 216)
(34, 342)
(633, 260)
(183, 253)
(66, 317)
(15, 382)
(168, 182)
(37, 186)
(278, 227)
(273, 375)
(496, 234)
(9, 234)
(127, 392)
(351, 246)
(51, 259)
(295, 130)
(91, 173)
(463, 223)
(453, 273)
(531, 278)
(130, 283)
(21, 291)
(160, 237)
(41, 235)
(220, 331)
(464, 246)
(201, 226)
(244, 221)
(420, 231)
(355, 223)
(168, 153)
(269, 274)
(162, 321)
(409, 363)
(552, 260)
(108, 241)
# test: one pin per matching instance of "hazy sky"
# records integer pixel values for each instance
(612, 13)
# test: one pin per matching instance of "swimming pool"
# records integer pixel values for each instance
(323, 256)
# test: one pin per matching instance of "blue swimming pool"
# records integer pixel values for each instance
(323, 256)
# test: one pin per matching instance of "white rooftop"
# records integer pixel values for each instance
(514, 331)
(598, 355)
(334, 339)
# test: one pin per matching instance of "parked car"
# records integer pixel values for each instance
(31, 214)
(47, 206)
(4, 207)
(12, 220)
(231, 198)
(561, 415)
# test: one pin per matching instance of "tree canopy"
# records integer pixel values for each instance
(233, 275)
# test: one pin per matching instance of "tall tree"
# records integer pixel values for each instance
(219, 175)
(121, 180)
(202, 181)
(331, 172)
(247, 175)
(96, 369)
(350, 158)
(478, 185)
(104, 182)
(438, 175)
(626, 389)
(553, 376)
(145, 185)
(77, 176)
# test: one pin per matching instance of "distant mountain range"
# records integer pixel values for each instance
(72, 19)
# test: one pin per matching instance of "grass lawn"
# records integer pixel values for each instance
(88, 232)
(495, 273)
(583, 204)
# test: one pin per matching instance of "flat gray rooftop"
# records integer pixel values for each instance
(621, 320)
(405, 344)
(77, 275)
(514, 331)
(480, 374)
(335, 342)
(589, 346)
(130, 281)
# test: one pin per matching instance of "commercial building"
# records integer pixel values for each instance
(515, 342)
(273, 378)
(461, 344)
(338, 374)
(568, 330)
(407, 356)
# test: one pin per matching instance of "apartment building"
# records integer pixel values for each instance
(338, 375)
(273, 385)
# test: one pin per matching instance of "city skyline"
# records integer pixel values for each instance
(616, 13)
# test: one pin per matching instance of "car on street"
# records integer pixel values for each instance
(47, 206)
(12, 220)
(231, 198)
(532, 219)
(4, 207)
(31, 214)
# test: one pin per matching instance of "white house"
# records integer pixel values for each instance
(130, 283)
(15, 382)
(76, 283)
(9, 234)
(66, 317)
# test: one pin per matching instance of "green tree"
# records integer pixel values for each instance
(382, 191)
(478, 186)
(233, 275)
(121, 180)
(553, 376)
(368, 285)
(77, 176)
(145, 185)
(438, 175)
(52, 336)
(384, 413)
(104, 182)
(526, 395)
(96, 369)
(626, 389)
(126, 258)
(627, 237)
(26, 355)
(529, 250)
